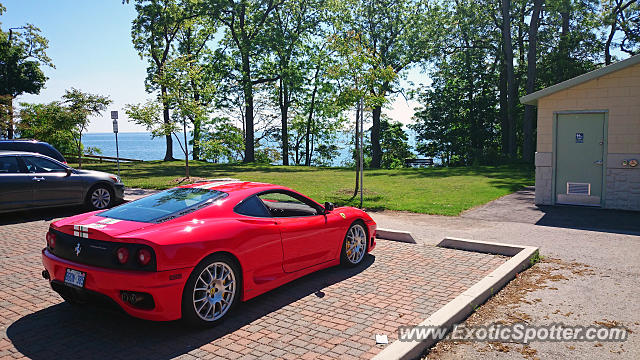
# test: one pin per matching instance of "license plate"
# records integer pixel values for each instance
(75, 277)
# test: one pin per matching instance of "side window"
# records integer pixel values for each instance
(9, 165)
(40, 165)
(285, 205)
(252, 206)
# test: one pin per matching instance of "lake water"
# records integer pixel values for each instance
(140, 145)
(133, 145)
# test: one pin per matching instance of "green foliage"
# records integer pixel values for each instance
(51, 123)
(326, 153)
(80, 106)
(61, 123)
(149, 115)
(394, 143)
(458, 122)
(221, 141)
(22, 53)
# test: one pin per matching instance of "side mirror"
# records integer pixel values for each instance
(69, 171)
(328, 206)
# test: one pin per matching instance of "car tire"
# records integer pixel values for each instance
(212, 291)
(100, 197)
(354, 246)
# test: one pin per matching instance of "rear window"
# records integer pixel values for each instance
(165, 205)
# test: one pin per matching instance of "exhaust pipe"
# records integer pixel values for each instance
(45, 274)
(131, 297)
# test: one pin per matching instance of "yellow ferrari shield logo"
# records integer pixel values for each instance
(343, 215)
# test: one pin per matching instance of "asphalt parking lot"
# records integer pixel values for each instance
(334, 313)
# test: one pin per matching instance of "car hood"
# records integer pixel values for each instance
(93, 173)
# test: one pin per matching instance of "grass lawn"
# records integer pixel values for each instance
(443, 191)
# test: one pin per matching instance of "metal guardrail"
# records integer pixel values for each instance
(102, 158)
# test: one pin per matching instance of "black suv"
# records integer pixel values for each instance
(33, 146)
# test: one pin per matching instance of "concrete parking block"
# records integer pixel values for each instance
(395, 235)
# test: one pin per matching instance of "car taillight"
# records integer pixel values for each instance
(51, 240)
(144, 257)
(123, 255)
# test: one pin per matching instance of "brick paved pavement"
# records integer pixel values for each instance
(330, 314)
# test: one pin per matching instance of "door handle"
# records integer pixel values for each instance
(35, 178)
(598, 162)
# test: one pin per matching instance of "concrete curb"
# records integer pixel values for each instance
(464, 304)
(395, 235)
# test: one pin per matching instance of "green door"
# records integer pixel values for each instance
(579, 159)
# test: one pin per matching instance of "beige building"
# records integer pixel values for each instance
(588, 144)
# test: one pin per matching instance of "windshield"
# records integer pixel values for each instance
(165, 205)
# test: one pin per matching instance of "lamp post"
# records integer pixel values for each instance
(114, 116)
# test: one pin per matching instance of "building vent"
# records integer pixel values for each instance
(578, 188)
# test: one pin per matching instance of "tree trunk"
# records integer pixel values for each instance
(10, 117)
(284, 114)
(376, 149)
(510, 78)
(504, 115)
(528, 146)
(307, 160)
(562, 71)
(357, 152)
(168, 155)
(247, 87)
(612, 32)
(80, 151)
(186, 148)
(197, 124)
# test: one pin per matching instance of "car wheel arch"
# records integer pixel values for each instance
(92, 186)
(362, 222)
(229, 255)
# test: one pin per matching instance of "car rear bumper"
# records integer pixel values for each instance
(106, 286)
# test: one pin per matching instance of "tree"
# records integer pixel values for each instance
(203, 70)
(51, 123)
(81, 106)
(458, 121)
(572, 51)
(22, 53)
(512, 90)
(622, 16)
(291, 26)
(394, 144)
(183, 79)
(400, 34)
(528, 146)
(245, 32)
(222, 141)
(356, 70)
(154, 32)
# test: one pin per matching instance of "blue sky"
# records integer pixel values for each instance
(90, 45)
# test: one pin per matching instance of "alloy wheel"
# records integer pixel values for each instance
(100, 198)
(356, 243)
(214, 291)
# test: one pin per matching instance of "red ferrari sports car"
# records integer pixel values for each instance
(194, 251)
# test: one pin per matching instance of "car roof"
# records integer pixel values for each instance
(12, 152)
(234, 185)
(22, 140)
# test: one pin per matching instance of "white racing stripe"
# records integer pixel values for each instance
(83, 230)
(216, 184)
